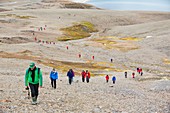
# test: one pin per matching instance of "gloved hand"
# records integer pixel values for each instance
(27, 88)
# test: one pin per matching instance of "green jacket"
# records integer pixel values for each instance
(38, 77)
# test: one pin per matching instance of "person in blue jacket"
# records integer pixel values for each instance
(53, 77)
(70, 75)
(114, 79)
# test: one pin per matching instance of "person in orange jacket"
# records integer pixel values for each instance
(87, 76)
(107, 78)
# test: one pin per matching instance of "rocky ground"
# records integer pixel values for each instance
(131, 38)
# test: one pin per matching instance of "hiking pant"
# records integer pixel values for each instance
(34, 89)
(83, 79)
(53, 83)
(141, 73)
(107, 81)
(87, 80)
(113, 81)
(70, 80)
(125, 76)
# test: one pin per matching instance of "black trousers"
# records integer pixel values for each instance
(70, 80)
(114, 82)
(34, 89)
(53, 83)
(87, 79)
(83, 79)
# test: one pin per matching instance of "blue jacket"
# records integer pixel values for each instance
(114, 78)
(54, 75)
(70, 74)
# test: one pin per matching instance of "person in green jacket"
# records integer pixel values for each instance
(34, 79)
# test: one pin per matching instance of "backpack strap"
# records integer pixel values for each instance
(28, 70)
(38, 72)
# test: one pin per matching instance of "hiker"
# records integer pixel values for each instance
(93, 57)
(53, 77)
(87, 76)
(79, 55)
(140, 70)
(107, 78)
(137, 69)
(111, 60)
(133, 75)
(67, 47)
(34, 79)
(125, 74)
(114, 79)
(83, 74)
(70, 75)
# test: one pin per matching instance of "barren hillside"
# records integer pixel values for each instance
(41, 32)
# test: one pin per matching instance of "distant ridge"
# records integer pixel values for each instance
(72, 4)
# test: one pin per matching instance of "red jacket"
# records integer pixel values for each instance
(140, 70)
(107, 77)
(83, 74)
(88, 74)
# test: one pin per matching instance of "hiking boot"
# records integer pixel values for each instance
(33, 103)
(34, 100)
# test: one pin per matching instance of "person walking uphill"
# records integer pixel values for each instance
(87, 76)
(114, 79)
(53, 77)
(126, 74)
(70, 75)
(107, 78)
(34, 79)
(83, 74)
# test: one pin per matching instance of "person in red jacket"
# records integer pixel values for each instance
(133, 75)
(83, 74)
(140, 70)
(137, 70)
(87, 76)
(107, 78)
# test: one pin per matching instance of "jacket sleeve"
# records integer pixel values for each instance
(41, 78)
(50, 74)
(26, 78)
(68, 74)
(56, 75)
